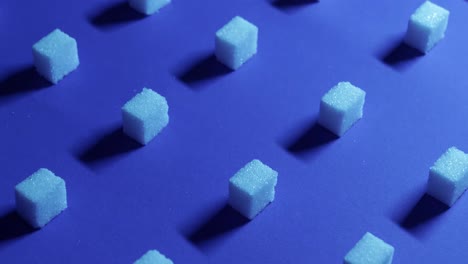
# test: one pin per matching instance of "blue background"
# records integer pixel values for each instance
(171, 194)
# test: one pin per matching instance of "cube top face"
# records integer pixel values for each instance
(253, 177)
(452, 165)
(37, 186)
(51, 44)
(370, 250)
(344, 96)
(146, 104)
(430, 15)
(237, 31)
(153, 257)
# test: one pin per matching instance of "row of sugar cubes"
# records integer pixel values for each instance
(253, 187)
(56, 55)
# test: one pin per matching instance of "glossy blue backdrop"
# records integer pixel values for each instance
(171, 194)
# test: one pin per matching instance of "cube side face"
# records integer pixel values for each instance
(418, 36)
(145, 115)
(43, 65)
(56, 55)
(427, 26)
(26, 208)
(52, 205)
(331, 118)
(148, 7)
(370, 250)
(155, 126)
(240, 200)
(442, 188)
(352, 115)
(246, 49)
(225, 53)
(236, 42)
(65, 61)
(262, 198)
(133, 127)
(250, 205)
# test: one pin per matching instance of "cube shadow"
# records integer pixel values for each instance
(309, 140)
(207, 232)
(202, 69)
(399, 56)
(417, 214)
(21, 81)
(291, 5)
(12, 226)
(114, 15)
(109, 144)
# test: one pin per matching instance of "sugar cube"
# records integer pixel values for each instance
(448, 177)
(236, 42)
(252, 188)
(56, 55)
(370, 250)
(341, 107)
(41, 197)
(426, 26)
(145, 115)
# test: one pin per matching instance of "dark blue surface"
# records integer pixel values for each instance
(171, 194)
